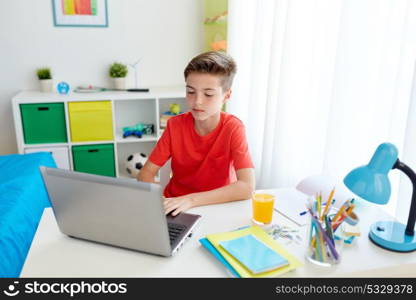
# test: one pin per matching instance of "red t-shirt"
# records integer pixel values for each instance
(201, 163)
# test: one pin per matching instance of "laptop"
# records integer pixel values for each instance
(116, 211)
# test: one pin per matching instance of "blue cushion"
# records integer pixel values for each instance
(22, 199)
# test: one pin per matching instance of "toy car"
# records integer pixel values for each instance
(139, 127)
(136, 133)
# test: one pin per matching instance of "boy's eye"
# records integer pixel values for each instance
(208, 95)
(190, 92)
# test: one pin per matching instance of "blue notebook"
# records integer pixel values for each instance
(204, 242)
(254, 254)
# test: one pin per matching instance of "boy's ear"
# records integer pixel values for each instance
(227, 95)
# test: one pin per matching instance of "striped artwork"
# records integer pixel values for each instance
(79, 7)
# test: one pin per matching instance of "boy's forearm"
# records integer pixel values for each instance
(146, 177)
(238, 190)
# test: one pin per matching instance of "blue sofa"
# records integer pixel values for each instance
(22, 199)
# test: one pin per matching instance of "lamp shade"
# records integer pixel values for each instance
(371, 182)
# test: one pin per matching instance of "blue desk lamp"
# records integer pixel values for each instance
(371, 183)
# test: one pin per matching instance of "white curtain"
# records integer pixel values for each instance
(321, 83)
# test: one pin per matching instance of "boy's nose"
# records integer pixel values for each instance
(198, 99)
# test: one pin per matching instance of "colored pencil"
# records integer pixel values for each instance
(341, 210)
(330, 244)
(328, 202)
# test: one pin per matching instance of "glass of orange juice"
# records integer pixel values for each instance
(262, 209)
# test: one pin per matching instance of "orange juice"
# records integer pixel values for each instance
(263, 208)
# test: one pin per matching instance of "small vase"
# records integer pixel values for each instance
(119, 83)
(46, 85)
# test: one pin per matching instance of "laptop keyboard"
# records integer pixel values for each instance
(175, 231)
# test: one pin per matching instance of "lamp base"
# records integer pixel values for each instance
(391, 236)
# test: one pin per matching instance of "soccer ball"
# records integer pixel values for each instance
(135, 162)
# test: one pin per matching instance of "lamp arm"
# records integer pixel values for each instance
(412, 213)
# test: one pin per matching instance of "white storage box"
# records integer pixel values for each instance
(59, 154)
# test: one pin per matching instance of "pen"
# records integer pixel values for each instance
(302, 213)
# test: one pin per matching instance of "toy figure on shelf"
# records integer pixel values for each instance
(138, 130)
(174, 110)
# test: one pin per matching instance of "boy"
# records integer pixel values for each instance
(208, 148)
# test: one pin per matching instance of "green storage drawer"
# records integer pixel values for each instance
(43, 123)
(94, 159)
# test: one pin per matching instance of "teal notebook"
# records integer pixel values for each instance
(204, 242)
(254, 254)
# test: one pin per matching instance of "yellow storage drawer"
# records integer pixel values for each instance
(90, 121)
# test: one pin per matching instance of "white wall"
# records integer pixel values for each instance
(166, 33)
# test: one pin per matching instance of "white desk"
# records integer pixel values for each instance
(53, 254)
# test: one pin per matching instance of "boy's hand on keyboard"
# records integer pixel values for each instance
(178, 204)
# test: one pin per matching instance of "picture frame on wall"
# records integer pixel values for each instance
(80, 13)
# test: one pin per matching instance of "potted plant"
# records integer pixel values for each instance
(118, 72)
(45, 79)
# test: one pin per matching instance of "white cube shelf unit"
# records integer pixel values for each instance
(39, 115)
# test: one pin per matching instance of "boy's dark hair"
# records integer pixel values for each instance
(215, 63)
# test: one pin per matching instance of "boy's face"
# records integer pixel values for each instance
(205, 95)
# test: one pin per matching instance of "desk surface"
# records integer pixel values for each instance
(53, 254)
